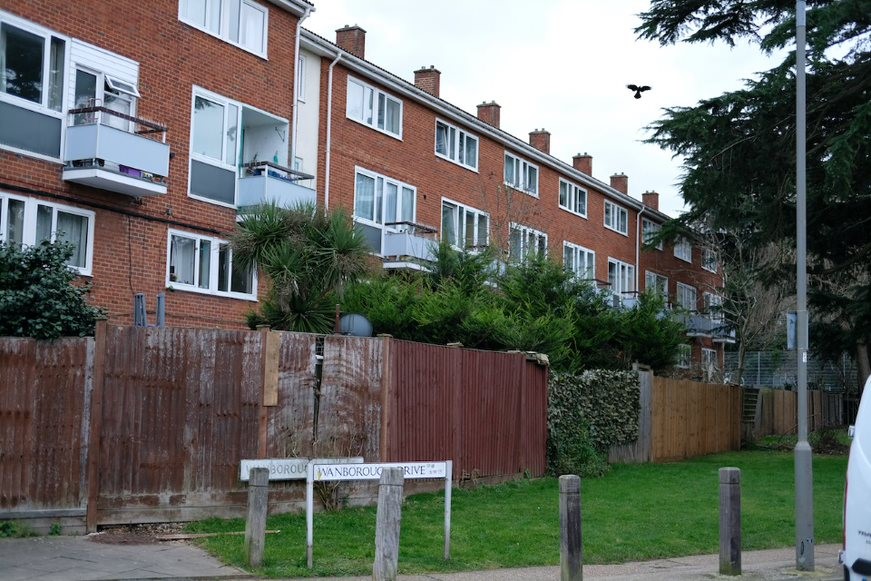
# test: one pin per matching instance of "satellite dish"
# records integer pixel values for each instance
(355, 325)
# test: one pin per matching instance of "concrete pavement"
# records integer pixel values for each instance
(82, 559)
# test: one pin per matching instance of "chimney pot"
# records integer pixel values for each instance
(540, 140)
(620, 182)
(583, 163)
(352, 39)
(489, 113)
(651, 200)
(428, 79)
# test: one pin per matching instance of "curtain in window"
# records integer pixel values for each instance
(44, 216)
(441, 138)
(392, 121)
(56, 74)
(449, 224)
(73, 228)
(252, 25)
(230, 19)
(204, 274)
(471, 155)
(15, 222)
(182, 257)
(408, 203)
(515, 243)
(510, 177)
(391, 193)
(364, 205)
(470, 229)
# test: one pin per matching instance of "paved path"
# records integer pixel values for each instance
(81, 559)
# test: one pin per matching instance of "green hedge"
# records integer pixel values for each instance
(587, 414)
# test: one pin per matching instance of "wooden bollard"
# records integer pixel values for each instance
(255, 525)
(730, 521)
(387, 524)
(571, 554)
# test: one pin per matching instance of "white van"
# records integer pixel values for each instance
(856, 556)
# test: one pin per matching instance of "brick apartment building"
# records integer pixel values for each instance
(139, 133)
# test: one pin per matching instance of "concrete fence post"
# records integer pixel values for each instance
(255, 525)
(390, 490)
(730, 521)
(571, 540)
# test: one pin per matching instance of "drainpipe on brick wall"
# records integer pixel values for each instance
(329, 130)
(293, 137)
(638, 247)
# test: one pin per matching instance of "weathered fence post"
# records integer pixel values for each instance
(571, 540)
(387, 525)
(255, 526)
(730, 521)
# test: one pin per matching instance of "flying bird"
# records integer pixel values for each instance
(638, 90)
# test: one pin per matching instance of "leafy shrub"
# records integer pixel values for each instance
(37, 297)
(587, 414)
(10, 529)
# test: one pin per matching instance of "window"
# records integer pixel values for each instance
(300, 78)
(621, 278)
(32, 65)
(203, 264)
(616, 218)
(382, 200)
(649, 230)
(464, 227)
(456, 145)
(684, 355)
(521, 175)
(683, 249)
(243, 23)
(524, 242)
(374, 107)
(218, 150)
(656, 283)
(28, 221)
(709, 259)
(710, 363)
(580, 261)
(687, 297)
(572, 198)
(97, 89)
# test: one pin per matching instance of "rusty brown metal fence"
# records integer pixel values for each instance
(144, 425)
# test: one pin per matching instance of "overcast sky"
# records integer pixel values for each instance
(561, 65)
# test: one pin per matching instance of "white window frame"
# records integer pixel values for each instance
(573, 191)
(224, 32)
(650, 283)
(684, 356)
(612, 218)
(683, 249)
(709, 259)
(525, 234)
(682, 288)
(460, 214)
(240, 107)
(386, 180)
(460, 136)
(649, 229)
(520, 178)
(300, 78)
(376, 94)
(625, 278)
(214, 252)
(710, 362)
(41, 107)
(29, 225)
(580, 257)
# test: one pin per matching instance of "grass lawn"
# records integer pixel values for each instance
(635, 512)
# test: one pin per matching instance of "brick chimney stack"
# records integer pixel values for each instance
(489, 113)
(428, 79)
(583, 163)
(352, 39)
(540, 140)
(620, 182)
(651, 200)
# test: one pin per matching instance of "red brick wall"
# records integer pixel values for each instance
(130, 246)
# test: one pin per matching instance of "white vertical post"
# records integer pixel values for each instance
(309, 514)
(448, 490)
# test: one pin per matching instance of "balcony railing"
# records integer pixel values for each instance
(266, 183)
(408, 245)
(116, 152)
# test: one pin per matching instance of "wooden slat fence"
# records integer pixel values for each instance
(777, 412)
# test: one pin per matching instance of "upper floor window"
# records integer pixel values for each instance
(709, 259)
(713, 306)
(683, 249)
(240, 22)
(524, 242)
(205, 264)
(573, 198)
(684, 355)
(28, 221)
(464, 226)
(382, 200)
(374, 107)
(31, 64)
(580, 261)
(656, 283)
(616, 218)
(94, 88)
(687, 297)
(456, 145)
(521, 175)
(649, 230)
(621, 277)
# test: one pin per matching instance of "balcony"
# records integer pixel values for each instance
(408, 245)
(722, 333)
(269, 183)
(697, 325)
(116, 152)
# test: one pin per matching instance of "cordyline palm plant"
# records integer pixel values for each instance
(309, 256)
